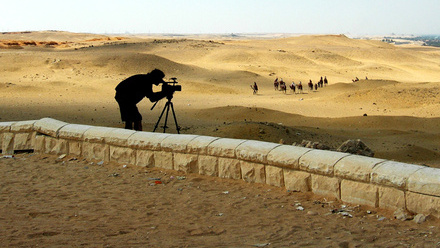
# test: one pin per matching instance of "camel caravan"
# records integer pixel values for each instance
(280, 85)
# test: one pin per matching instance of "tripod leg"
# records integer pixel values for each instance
(175, 120)
(167, 105)
(160, 117)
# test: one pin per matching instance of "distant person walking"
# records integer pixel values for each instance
(132, 90)
(255, 88)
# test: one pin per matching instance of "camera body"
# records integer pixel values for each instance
(170, 87)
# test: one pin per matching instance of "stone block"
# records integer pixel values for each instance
(359, 193)
(297, 181)
(394, 174)
(423, 204)
(123, 155)
(286, 156)
(147, 140)
(97, 151)
(425, 181)
(8, 143)
(320, 161)
(55, 146)
(145, 158)
(118, 137)
(61, 147)
(391, 198)
(176, 142)
(356, 167)
(40, 143)
(23, 126)
(164, 160)
(186, 162)
(274, 176)
(73, 131)
(96, 134)
(208, 165)
(24, 141)
(49, 145)
(6, 126)
(253, 172)
(325, 186)
(199, 145)
(254, 151)
(75, 147)
(49, 126)
(224, 147)
(229, 168)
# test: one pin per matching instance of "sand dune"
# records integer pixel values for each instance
(75, 82)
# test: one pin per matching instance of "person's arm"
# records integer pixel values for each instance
(156, 96)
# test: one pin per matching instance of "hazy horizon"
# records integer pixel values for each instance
(357, 18)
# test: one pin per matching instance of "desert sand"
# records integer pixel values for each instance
(73, 80)
(71, 77)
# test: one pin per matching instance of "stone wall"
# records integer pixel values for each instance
(350, 178)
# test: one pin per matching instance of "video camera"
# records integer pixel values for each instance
(171, 87)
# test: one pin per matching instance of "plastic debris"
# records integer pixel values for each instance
(181, 178)
(100, 163)
(225, 192)
(300, 208)
(346, 214)
(261, 245)
(8, 156)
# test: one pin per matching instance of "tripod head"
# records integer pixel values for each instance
(169, 88)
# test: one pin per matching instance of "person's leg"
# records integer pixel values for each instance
(138, 125)
(129, 125)
(129, 113)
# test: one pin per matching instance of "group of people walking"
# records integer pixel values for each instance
(280, 85)
(298, 88)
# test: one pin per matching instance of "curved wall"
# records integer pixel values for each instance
(351, 178)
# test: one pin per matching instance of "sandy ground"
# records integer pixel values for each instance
(71, 77)
(74, 82)
(50, 202)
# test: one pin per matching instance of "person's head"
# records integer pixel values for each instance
(157, 76)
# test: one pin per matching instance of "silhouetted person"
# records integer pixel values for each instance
(255, 88)
(132, 90)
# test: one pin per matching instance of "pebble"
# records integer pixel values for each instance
(402, 214)
(419, 218)
(312, 213)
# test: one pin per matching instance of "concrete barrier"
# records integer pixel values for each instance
(346, 177)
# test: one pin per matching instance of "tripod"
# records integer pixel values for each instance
(167, 106)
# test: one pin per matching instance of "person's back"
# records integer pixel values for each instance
(132, 90)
